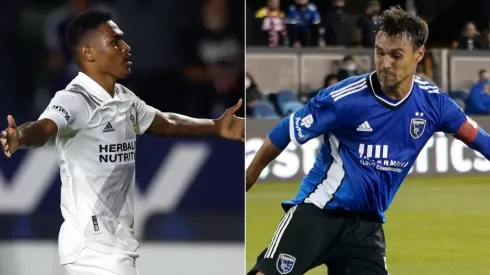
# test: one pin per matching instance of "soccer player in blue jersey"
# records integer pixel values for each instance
(373, 128)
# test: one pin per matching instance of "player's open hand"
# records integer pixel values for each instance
(10, 138)
(231, 126)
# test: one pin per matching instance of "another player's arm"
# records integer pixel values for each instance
(318, 117)
(29, 135)
(176, 125)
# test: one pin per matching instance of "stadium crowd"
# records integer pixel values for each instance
(322, 24)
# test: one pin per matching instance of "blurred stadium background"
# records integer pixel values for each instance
(439, 219)
(187, 58)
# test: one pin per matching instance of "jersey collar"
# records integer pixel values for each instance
(375, 88)
(93, 87)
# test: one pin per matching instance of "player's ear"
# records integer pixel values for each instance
(419, 53)
(86, 53)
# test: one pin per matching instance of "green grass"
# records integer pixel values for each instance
(435, 226)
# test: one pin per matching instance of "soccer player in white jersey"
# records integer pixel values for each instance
(93, 123)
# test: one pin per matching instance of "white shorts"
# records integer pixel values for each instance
(91, 262)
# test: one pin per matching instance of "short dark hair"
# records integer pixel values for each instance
(397, 22)
(82, 24)
(481, 71)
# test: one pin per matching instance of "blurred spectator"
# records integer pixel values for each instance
(478, 101)
(330, 80)
(272, 22)
(366, 23)
(470, 39)
(214, 69)
(61, 67)
(335, 29)
(348, 68)
(303, 21)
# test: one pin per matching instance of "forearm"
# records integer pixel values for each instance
(267, 153)
(32, 135)
(277, 140)
(176, 125)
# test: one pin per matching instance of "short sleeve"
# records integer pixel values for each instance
(68, 111)
(291, 16)
(316, 15)
(319, 116)
(452, 116)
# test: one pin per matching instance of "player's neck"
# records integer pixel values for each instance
(400, 91)
(105, 81)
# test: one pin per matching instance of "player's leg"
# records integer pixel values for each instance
(300, 242)
(91, 262)
(365, 249)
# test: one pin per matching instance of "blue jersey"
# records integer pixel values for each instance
(369, 141)
(303, 18)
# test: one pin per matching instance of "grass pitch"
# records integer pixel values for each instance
(435, 226)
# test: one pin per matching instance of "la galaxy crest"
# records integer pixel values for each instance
(132, 118)
(285, 263)
(417, 125)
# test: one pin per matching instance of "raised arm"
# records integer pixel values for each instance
(29, 135)
(227, 126)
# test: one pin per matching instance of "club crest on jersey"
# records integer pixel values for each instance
(285, 263)
(132, 118)
(417, 125)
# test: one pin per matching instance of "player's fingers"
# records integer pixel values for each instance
(11, 121)
(3, 134)
(237, 106)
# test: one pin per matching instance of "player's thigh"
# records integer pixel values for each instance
(91, 262)
(300, 241)
(365, 251)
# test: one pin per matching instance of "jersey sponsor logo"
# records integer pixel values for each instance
(417, 125)
(307, 121)
(377, 157)
(119, 152)
(62, 110)
(285, 263)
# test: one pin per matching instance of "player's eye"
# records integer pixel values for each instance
(380, 53)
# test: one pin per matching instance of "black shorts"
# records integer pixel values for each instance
(307, 237)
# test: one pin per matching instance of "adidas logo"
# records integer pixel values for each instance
(108, 128)
(364, 127)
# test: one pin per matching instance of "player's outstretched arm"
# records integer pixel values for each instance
(267, 153)
(227, 126)
(29, 135)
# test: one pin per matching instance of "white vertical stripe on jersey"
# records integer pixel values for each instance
(292, 136)
(361, 149)
(369, 153)
(377, 153)
(385, 151)
(278, 234)
(335, 174)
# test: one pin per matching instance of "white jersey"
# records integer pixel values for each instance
(96, 144)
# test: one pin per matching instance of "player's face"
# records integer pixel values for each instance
(112, 54)
(396, 59)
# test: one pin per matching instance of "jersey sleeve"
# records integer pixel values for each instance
(319, 116)
(68, 111)
(452, 116)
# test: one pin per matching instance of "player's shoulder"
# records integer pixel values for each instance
(76, 91)
(292, 8)
(343, 91)
(427, 87)
(125, 92)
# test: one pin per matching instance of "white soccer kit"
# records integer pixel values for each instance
(96, 144)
